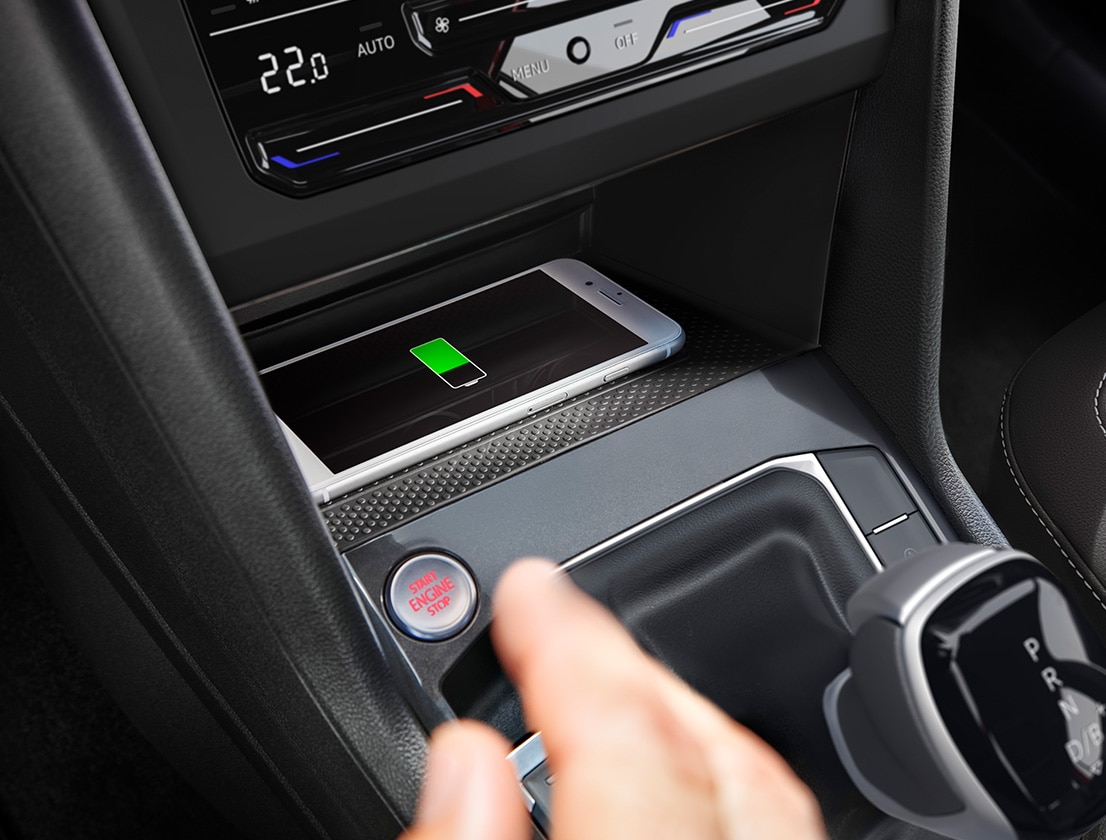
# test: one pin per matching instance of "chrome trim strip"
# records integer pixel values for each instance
(524, 758)
(891, 523)
(807, 464)
(798, 26)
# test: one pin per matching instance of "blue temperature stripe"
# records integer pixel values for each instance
(672, 30)
(287, 164)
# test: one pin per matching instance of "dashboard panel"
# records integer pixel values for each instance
(376, 86)
(259, 243)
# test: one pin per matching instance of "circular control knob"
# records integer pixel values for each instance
(579, 50)
(431, 597)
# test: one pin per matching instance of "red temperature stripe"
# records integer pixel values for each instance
(468, 88)
(801, 8)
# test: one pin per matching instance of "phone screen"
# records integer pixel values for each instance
(357, 400)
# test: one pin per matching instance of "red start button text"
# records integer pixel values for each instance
(431, 597)
(430, 593)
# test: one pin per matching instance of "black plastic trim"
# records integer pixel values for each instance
(886, 270)
(130, 397)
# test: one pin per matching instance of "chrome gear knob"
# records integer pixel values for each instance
(974, 703)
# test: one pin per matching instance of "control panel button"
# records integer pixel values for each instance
(902, 539)
(431, 597)
(550, 59)
(871, 490)
(579, 50)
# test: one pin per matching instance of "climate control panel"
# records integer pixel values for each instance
(319, 93)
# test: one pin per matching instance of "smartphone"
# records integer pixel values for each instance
(385, 399)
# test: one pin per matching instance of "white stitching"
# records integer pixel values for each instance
(1017, 483)
(1097, 400)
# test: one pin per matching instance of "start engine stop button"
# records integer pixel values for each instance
(431, 597)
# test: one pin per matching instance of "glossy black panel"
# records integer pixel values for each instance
(468, 22)
(1019, 680)
(323, 92)
(257, 242)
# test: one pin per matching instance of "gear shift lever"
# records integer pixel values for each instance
(974, 701)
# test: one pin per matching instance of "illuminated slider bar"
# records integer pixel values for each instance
(441, 25)
(710, 25)
(309, 154)
(645, 32)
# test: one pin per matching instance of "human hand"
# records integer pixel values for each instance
(636, 752)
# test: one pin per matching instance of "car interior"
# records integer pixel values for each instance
(874, 221)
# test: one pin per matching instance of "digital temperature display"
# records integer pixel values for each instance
(270, 79)
(274, 60)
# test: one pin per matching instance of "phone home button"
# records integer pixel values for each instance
(431, 597)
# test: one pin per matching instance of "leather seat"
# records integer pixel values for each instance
(1048, 485)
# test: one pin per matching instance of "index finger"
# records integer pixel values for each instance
(626, 765)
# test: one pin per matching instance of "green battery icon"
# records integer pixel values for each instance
(449, 363)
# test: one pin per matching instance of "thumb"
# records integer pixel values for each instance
(469, 791)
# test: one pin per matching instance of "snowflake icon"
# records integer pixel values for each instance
(441, 25)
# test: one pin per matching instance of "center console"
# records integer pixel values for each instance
(344, 163)
(362, 161)
(728, 561)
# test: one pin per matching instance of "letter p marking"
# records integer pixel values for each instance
(1032, 647)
